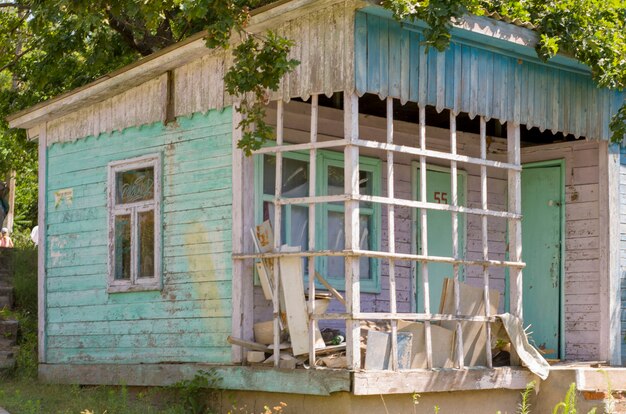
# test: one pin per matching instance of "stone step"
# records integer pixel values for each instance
(8, 329)
(7, 344)
(6, 301)
(7, 359)
(6, 297)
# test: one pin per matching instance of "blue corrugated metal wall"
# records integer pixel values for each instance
(479, 80)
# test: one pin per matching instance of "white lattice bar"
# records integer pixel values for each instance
(391, 240)
(351, 217)
(485, 236)
(424, 237)
(311, 241)
(277, 231)
(458, 344)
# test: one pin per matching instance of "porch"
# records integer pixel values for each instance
(400, 270)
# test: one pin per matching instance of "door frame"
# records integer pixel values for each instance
(560, 162)
(415, 167)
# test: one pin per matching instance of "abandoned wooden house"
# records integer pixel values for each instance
(407, 180)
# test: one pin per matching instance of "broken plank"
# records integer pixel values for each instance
(247, 344)
(291, 276)
(331, 289)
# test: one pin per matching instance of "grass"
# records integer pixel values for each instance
(26, 396)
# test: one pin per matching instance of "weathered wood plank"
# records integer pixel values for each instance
(179, 326)
(317, 382)
(443, 380)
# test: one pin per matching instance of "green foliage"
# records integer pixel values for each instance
(196, 393)
(568, 405)
(25, 279)
(257, 68)
(592, 31)
(524, 406)
(29, 396)
(47, 48)
(24, 263)
(437, 14)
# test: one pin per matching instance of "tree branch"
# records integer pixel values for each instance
(15, 59)
(16, 5)
(126, 31)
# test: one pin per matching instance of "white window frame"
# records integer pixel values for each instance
(135, 283)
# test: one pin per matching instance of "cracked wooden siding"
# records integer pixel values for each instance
(189, 320)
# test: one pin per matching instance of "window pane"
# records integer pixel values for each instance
(336, 242)
(336, 183)
(335, 180)
(300, 227)
(295, 177)
(134, 185)
(145, 267)
(122, 247)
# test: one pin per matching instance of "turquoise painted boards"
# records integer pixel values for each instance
(479, 76)
(189, 320)
(541, 250)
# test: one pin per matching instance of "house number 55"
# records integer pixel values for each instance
(441, 197)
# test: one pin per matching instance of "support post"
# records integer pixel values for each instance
(485, 237)
(391, 241)
(424, 238)
(351, 217)
(458, 345)
(41, 245)
(243, 219)
(311, 259)
(610, 325)
(278, 228)
(515, 225)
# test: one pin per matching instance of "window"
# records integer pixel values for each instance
(329, 216)
(134, 224)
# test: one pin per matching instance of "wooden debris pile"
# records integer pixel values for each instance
(291, 328)
(294, 321)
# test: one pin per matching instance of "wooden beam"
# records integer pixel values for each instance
(311, 261)
(424, 237)
(385, 255)
(391, 238)
(257, 378)
(331, 289)
(485, 235)
(277, 230)
(351, 218)
(445, 380)
(42, 245)
(436, 154)
(515, 227)
(609, 206)
(302, 147)
(458, 343)
(422, 317)
(439, 207)
(238, 235)
(247, 216)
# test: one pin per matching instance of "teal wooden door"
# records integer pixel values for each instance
(439, 233)
(541, 250)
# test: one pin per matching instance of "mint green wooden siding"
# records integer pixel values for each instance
(190, 318)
